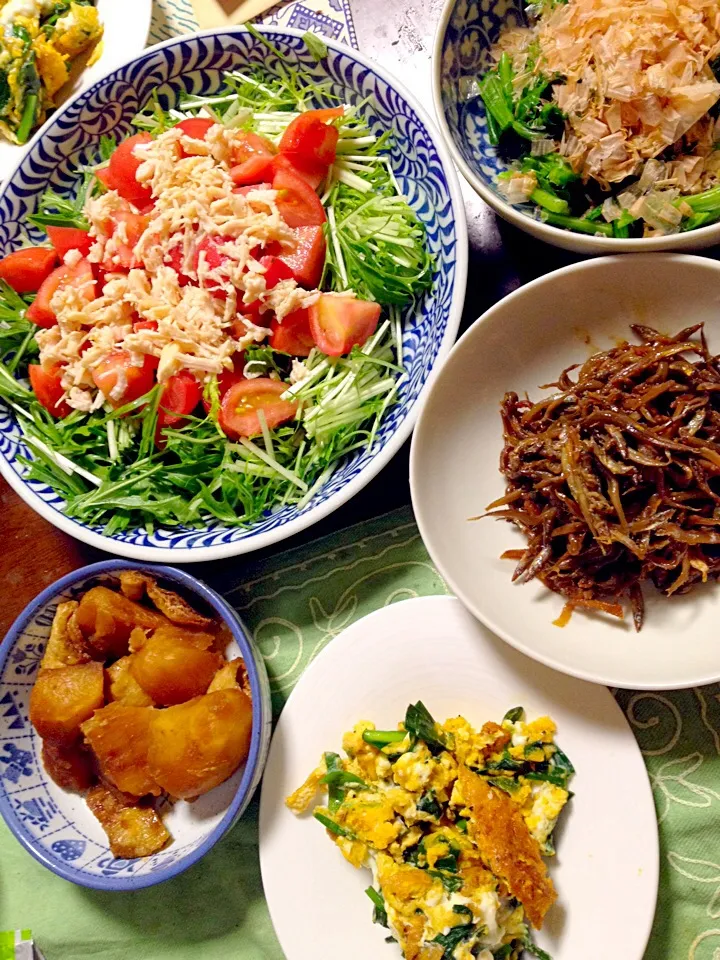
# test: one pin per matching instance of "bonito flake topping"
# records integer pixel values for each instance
(636, 79)
(194, 301)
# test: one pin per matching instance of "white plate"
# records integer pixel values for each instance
(126, 25)
(525, 340)
(606, 871)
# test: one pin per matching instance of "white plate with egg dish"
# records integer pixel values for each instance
(415, 779)
(580, 413)
(52, 49)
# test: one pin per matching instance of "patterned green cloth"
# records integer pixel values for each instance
(294, 605)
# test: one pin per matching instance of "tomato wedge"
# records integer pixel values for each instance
(297, 202)
(80, 275)
(106, 178)
(253, 170)
(228, 378)
(118, 367)
(65, 239)
(25, 270)
(340, 323)
(251, 145)
(275, 271)
(310, 142)
(123, 168)
(181, 394)
(144, 325)
(48, 389)
(240, 405)
(308, 258)
(293, 335)
(195, 127)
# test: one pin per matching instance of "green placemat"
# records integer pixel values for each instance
(294, 605)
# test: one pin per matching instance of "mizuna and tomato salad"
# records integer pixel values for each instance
(214, 322)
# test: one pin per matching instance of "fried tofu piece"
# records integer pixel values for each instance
(171, 604)
(133, 829)
(72, 768)
(107, 619)
(63, 699)
(124, 688)
(505, 843)
(232, 675)
(66, 645)
(119, 736)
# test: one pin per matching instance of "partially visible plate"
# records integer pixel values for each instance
(606, 871)
(126, 25)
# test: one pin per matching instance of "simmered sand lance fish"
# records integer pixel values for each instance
(614, 478)
(454, 823)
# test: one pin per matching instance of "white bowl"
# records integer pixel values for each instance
(525, 340)
(465, 34)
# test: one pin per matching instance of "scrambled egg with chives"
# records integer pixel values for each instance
(453, 823)
(39, 39)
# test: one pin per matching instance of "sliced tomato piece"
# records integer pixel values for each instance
(181, 394)
(144, 325)
(297, 202)
(123, 168)
(309, 141)
(195, 127)
(174, 258)
(251, 144)
(118, 367)
(329, 113)
(48, 389)
(106, 178)
(65, 239)
(25, 270)
(308, 258)
(275, 271)
(133, 227)
(214, 258)
(340, 323)
(80, 275)
(312, 174)
(240, 405)
(252, 186)
(228, 378)
(293, 335)
(255, 169)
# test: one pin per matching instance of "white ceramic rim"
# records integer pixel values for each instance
(381, 458)
(577, 242)
(415, 468)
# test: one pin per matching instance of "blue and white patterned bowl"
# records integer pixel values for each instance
(467, 31)
(423, 168)
(56, 826)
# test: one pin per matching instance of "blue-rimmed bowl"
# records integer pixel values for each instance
(466, 33)
(422, 167)
(56, 826)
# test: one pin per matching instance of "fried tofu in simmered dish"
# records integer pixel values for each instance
(135, 702)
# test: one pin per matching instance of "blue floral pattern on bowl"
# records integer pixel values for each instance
(421, 166)
(56, 826)
(471, 30)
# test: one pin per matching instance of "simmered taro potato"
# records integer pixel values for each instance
(124, 687)
(198, 638)
(64, 698)
(119, 736)
(197, 745)
(133, 829)
(72, 768)
(172, 671)
(107, 619)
